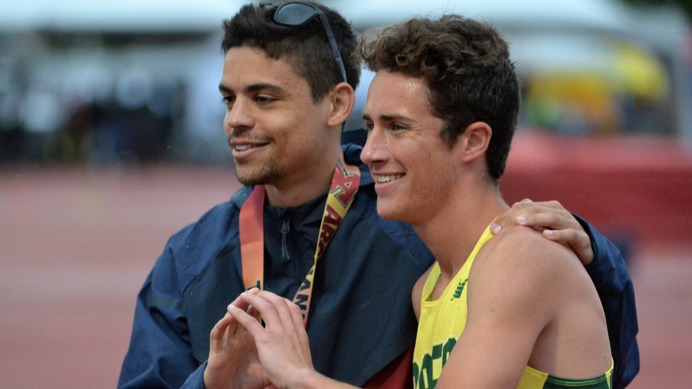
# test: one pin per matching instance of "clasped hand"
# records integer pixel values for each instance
(246, 354)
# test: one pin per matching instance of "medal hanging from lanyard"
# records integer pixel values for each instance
(345, 182)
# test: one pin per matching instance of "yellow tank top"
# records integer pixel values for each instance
(443, 320)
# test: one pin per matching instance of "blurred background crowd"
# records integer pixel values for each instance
(135, 81)
(607, 93)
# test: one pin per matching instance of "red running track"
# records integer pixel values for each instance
(76, 244)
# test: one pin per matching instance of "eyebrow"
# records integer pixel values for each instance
(388, 118)
(254, 88)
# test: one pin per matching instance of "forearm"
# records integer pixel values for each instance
(310, 379)
(614, 285)
(608, 270)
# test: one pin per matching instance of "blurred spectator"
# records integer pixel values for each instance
(41, 115)
(12, 136)
(78, 130)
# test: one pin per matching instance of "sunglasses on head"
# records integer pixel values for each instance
(298, 14)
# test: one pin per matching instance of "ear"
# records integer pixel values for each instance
(342, 99)
(475, 140)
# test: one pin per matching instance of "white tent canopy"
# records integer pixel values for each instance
(665, 31)
(606, 15)
(115, 15)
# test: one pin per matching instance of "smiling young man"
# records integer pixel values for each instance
(304, 227)
(523, 315)
(494, 312)
(280, 137)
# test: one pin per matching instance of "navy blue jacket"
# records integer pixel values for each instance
(616, 291)
(360, 317)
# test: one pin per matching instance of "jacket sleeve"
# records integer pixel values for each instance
(614, 285)
(160, 355)
(196, 379)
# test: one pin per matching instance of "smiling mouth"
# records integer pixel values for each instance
(240, 145)
(384, 178)
(245, 147)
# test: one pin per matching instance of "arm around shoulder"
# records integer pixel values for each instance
(613, 282)
(609, 268)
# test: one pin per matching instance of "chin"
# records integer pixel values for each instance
(387, 212)
(250, 177)
(401, 212)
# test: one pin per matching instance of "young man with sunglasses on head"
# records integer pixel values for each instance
(305, 225)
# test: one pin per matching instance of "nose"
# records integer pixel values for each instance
(238, 117)
(375, 150)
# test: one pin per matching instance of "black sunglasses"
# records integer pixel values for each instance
(298, 14)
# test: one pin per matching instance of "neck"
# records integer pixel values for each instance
(305, 185)
(452, 233)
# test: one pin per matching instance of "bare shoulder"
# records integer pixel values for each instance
(533, 298)
(521, 259)
(525, 246)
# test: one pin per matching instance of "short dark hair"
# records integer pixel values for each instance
(466, 66)
(306, 48)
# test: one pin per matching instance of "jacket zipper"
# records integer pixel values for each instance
(285, 229)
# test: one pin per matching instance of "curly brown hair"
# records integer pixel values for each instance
(466, 66)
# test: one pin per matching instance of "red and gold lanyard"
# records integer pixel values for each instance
(345, 182)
